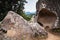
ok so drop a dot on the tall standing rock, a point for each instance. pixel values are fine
(48, 12)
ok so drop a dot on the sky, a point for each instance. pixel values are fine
(30, 6)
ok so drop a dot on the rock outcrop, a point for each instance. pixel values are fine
(15, 27)
(48, 12)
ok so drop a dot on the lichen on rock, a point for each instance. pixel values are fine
(19, 29)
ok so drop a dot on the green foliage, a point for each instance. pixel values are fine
(8, 5)
(27, 17)
(14, 5)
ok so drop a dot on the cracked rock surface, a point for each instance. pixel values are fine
(15, 27)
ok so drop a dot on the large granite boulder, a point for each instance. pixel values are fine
(15, 27)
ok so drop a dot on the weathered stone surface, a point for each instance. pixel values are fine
(48, 14)
(19, 29)
(37, 28)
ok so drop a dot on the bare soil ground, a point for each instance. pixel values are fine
(52, 37)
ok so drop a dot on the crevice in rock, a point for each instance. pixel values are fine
(46, 17)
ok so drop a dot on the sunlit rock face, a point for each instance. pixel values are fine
(15, 27)
(48, 12)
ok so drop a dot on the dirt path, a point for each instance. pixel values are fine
(52, 37)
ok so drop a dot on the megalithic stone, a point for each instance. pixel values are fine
(48, 12)
(19, 29)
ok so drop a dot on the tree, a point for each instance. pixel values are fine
(14, 5)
